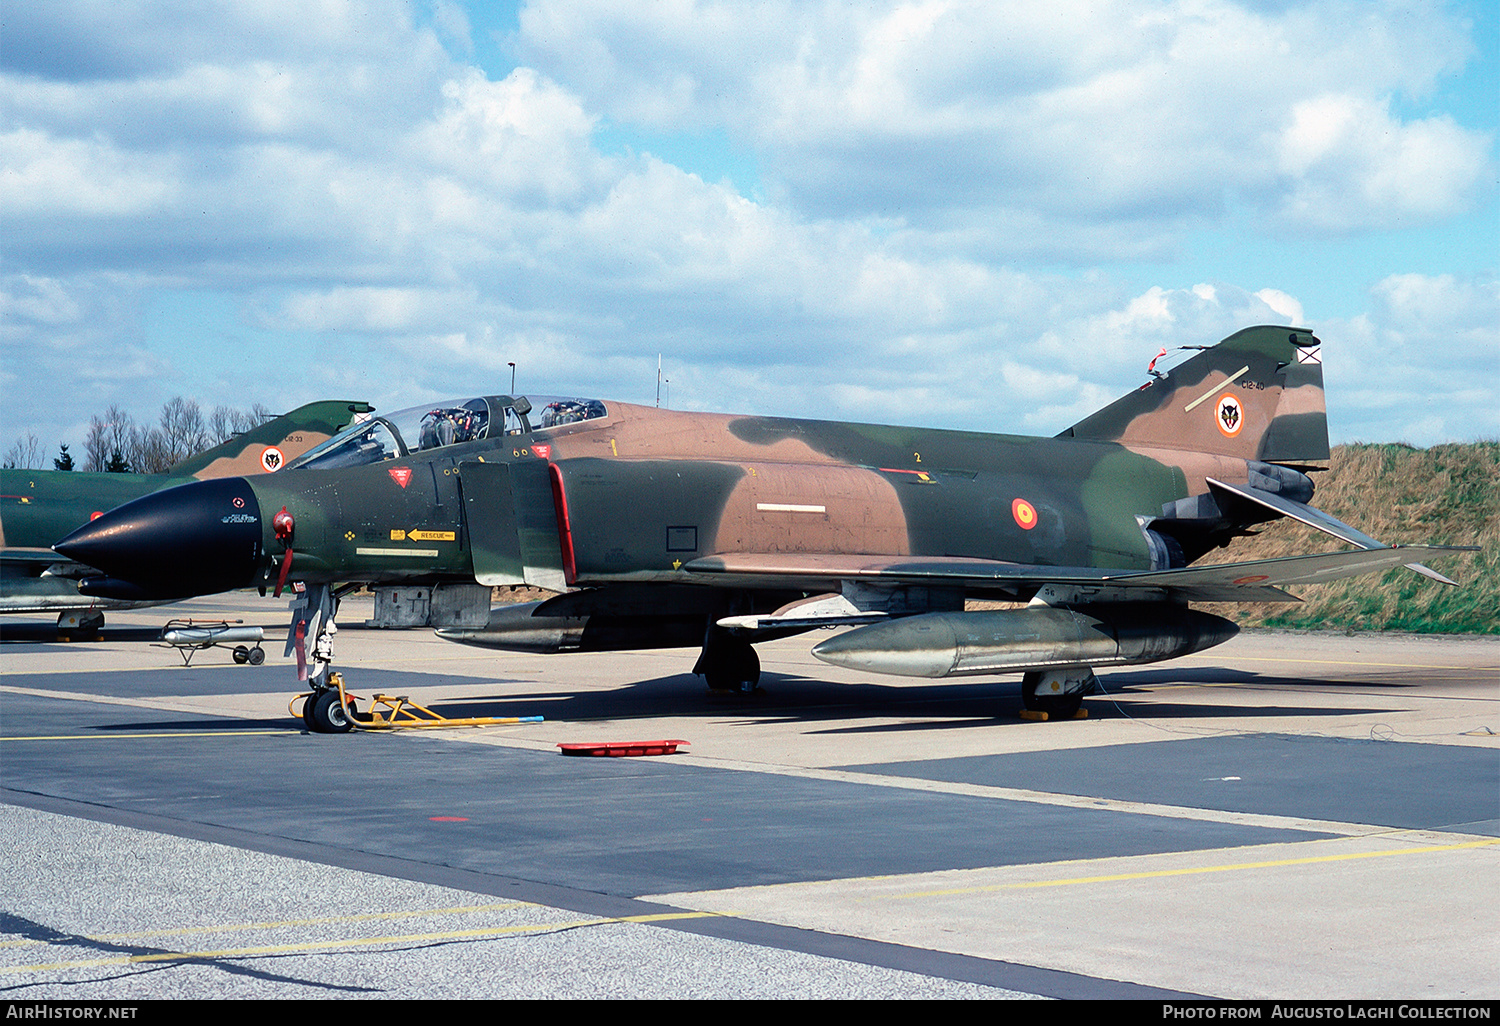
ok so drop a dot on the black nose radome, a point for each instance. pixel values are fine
(196, 539)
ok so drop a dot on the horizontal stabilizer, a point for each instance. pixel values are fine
(1429, 572)
(1314, 518)
(1312, 569)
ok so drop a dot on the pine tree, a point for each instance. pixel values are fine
(65, 460)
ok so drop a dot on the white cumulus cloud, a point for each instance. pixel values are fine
(333, 195)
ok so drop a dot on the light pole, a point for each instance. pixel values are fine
(512, 379)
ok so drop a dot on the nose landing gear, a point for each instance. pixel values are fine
(326, 710)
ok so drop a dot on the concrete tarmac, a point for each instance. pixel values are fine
(1285, 816)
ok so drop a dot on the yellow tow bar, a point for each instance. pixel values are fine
(400, 712)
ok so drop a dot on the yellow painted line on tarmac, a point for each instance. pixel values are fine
(480, 933)
(1345, 662)
(1190, 871)
(187, 704)
(364, 917)
(157, 736)
(85, 696)
(98, 669)
(662, 917)
(165, 666)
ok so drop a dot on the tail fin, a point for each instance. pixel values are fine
(270, 446)
(1257, 395)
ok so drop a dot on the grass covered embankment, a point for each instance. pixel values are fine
(1445, 495)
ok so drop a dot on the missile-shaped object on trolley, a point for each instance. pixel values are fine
(1037, 638)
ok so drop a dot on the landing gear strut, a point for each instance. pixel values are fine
(324, 711)
(728, 663)
(1057, 693)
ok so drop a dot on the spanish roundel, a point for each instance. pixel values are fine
(1025, 514)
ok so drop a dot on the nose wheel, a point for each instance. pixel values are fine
(329, 711)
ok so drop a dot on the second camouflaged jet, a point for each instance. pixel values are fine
(37, 507)
(669, 529)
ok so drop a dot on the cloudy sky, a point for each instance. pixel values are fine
(984, 214)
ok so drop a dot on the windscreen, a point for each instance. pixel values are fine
(367, 442)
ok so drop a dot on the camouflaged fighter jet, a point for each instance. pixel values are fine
(668, 529)
(37, 507)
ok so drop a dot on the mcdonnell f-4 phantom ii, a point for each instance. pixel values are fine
(37, 507)
(669, 529)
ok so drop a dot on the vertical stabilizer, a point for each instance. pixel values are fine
(1257, 395)
(268, 447)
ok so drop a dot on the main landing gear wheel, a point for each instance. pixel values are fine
(89, 620)
(733, 666)
(79, 625)
(1058, 693)
(329, 715)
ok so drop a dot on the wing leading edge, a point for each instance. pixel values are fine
(1253, 581)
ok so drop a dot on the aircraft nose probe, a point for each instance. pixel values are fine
(195, 539)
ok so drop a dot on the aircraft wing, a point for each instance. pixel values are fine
(41, 581)
(30, 563)
(822, 571)
(1253, 581)
(24, 559)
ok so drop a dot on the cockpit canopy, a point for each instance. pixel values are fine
(439, 425)
(550, 412)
